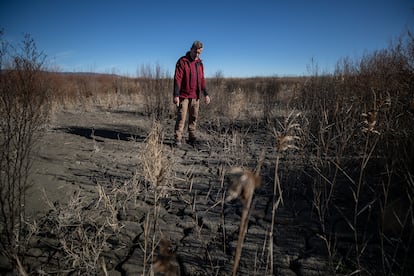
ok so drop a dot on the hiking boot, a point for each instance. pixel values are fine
(195, 142)
(192, 141)
(177, 144)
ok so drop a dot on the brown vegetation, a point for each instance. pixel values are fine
(342, 143)
(23, 112)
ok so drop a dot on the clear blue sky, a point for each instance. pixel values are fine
(241, 37)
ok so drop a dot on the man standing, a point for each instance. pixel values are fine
(189, 83)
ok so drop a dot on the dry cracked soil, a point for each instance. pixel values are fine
(83, 150)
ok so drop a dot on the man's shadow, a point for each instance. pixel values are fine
(103, 133)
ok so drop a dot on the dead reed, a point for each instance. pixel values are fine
(358, 172)
(244, 183)
(286, 139)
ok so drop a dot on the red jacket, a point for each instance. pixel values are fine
(184, 84)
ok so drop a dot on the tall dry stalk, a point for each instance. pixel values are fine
(244, 182)
(156, 168)
(285, 140)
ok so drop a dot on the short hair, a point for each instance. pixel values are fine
(197, 45)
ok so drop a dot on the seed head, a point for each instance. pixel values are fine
(370, 120)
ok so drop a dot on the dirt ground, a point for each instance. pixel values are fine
(80, 150)
(77, 148)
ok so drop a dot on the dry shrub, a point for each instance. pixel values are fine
(156, 163)
(157, 89)
(24, 110)
(156, 168)
(237, 104)
(357, 137)
(245, 98)
(83, 231)
(87, 91)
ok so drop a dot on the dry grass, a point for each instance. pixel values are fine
(354, 127)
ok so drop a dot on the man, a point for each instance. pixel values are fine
(189, 84)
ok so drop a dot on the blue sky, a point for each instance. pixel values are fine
(241, 38)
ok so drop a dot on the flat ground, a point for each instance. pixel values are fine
(81, 151)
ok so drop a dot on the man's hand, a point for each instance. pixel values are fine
(176, 101)
(207, 99)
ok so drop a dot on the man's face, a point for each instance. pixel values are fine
(195, 53)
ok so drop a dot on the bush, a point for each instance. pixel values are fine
(359, 137)
(23, 111)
